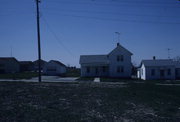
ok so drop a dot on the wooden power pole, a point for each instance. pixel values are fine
(39, 42)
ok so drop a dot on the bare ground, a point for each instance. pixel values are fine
(88, 102)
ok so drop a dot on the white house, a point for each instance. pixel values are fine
(9, 65)
(158, 69)
(54, 67)
(36, 65)
(115, 64)
(177, 66)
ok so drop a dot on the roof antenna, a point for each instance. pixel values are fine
(118, 36)
(168, 49)
(11, 52)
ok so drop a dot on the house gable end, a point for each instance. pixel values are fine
(121, 49)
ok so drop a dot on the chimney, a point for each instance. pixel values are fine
(118, 44)
(154, 57)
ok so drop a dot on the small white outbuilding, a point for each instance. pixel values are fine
(54, 67)
(157, 69)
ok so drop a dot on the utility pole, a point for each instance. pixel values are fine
(39, 42)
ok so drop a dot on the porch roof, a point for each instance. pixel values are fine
(94, 59)
(96, 64)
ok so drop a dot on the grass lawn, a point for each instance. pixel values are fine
(88, 102)
(22, 75)
(73, 73)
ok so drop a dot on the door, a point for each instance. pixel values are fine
(97, 71)
(162, 73)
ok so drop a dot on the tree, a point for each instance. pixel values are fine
(177, 58)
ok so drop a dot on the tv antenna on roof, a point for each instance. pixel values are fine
(168, 50)
(118, 36)
(11, 52)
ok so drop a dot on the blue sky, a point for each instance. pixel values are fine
(70, 28)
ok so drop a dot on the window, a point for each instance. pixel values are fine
(169, 71)
(87, 69)
(122, 58)
(118, 69)
(152, 72)
(122, 69)
(162, 73)
(104, 69)
(97, 71)
(118, 58)
(177, 72)
(141, 71)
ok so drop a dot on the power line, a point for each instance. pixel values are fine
(116, 4)
(93, 12)
(103, 12)
(119, 20)
(124, 1)
(56, 37)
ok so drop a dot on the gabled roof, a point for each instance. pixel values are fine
(85, 59)
(99, 59)
(8, 59)
(159, 62)
(120, 47)
(57, 62)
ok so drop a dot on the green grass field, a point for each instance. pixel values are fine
(88, 102)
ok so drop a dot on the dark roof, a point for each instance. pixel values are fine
(58, 62)
(94, 59)
(159, 62)
(25, 62)
(8, 58)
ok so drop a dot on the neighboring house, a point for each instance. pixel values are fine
(36, 64)
(158, 69)
(54, 67)
(115, 64)
(26, 66)
(9, 65)
(177, 71)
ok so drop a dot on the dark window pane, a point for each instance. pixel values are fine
(152, 72)
(88, 69)
(122, 58)
(169, 71)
